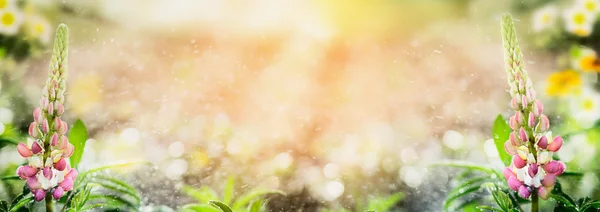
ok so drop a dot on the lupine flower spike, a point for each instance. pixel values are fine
(48, 173)
(532, 171)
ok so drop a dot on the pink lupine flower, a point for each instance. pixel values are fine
(533, 168)
(50, 172)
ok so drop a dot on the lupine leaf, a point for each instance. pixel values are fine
(204, 194)
(562, 197)
(385, 204)
(248, 197)
(199, 208)
(80, 180)
(114, 200)
(502, 199)
(228, 190)
(500, 133)
(121, 186)
(467, 165)
(255, 206)
(92, 206)
(21, 201)
(456, 194)
(78, 136)
(488, 208)
(224, 207)
(9, 178)
(4, 206)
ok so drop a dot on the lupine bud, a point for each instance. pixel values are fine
(519, 162)
(532, 170)
(58, 193)
(555, 167)
(60, 109)
(23, 150)
(543, 124)
(544, 157)
(556, 144)
(63, 143)
(549, 180)
(543, 142)
(63, 128)
(37, 115)
(47, 171)
(519, 117)
(524, 102)
(513, 123)
(543, 193)
(524, 192)
(538, 108)
(33, 130)
(44, 102)
(38, 195)
(514, 104)
(66, 184)
(530, 95)
(514, 140)
(508, 173)
(45, 127)
(514, 183)
(36, 148)
(61, 164)
(512, 150)
(54, 140)
(523, 135)
(531, 120)
(57, 124)
(50, 109)
(33, 183)
(68, 151)
(25, 172)
(72, 174)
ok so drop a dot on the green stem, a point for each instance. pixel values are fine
(49, 203)
(534, 202)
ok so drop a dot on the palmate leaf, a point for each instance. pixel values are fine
(224, 207)
(199, 208)
(245, 199)
(204, 194)
(500, 133)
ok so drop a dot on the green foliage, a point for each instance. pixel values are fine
(250, 201)
(500, 133)
(382, 204)
(222, 206)
(78, 136)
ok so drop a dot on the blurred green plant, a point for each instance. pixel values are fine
(374, 204)
(209, 200)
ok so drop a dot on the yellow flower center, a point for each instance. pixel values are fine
(589, 63)
(3, 4)
(579, 18)
(546, 18)
(590, 6)
(8, 19)
(39, 28)
(563, 83)
(588, 105)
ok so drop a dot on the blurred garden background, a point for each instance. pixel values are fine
(336, 103)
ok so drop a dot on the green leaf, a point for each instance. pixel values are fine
(10, 178)
(204, 194)
(118, 186)
(220, 205)
(92, 206)
(561, 197)
(199, 208)
(83, 176)
(385, 204)
(255, 206)
(467, 165)
(502, 199)
(488, 208)
(21, 201)
(500, 133)
(114, 201)
(4, 206)
(248, 197)
(228, 190)
(463, 190)
(575, 51)
(78, 136)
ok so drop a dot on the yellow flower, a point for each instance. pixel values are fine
(10, 20)
(563, 83)
(589, 63)
(589, 5)
(6, 4)
(544, 18)
(579, 21)
(38, 28)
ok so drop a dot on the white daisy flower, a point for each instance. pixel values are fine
(585, 108)
(544, 17)
(39, 28)
(579, 21)
(7, 4)
(10, 20)
(592, 6)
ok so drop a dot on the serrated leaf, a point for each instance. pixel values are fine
(500, 133)
(245, 199)
(118, 186)
(228, 190)
(204, 194)
(220, 205)
(78, 136)
(199, 208)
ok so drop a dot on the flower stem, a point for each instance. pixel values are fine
(49, 203)
(534, 202)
